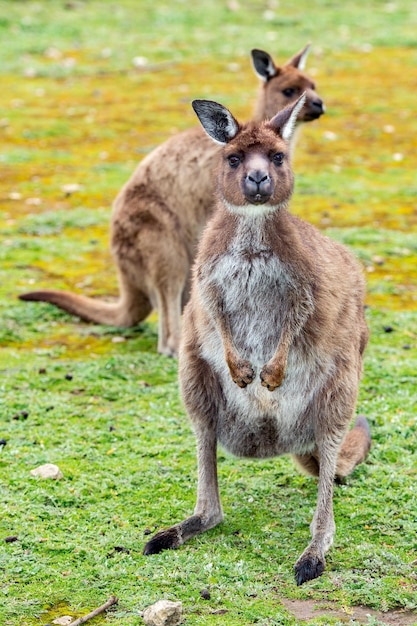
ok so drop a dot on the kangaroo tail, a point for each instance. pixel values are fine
(129, 310)
(354, 448)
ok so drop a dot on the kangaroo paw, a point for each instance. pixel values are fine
(242, 373)
(272, 377)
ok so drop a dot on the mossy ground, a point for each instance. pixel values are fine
(100, 402)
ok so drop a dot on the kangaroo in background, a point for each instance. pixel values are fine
(273, 334)
(160, 212)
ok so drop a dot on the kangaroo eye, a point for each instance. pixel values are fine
(234, 160)
(289, 92)
(278, 158)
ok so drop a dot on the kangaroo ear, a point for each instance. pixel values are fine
(299, 59)
(284, 121)
(263, 64)
(216, 120)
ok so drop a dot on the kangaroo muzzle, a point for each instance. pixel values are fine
(312, 109)
(257, 186)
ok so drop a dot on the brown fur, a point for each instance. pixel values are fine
(274, 332)
(159, 214)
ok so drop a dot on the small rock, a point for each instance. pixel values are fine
(388, 329)
(34, 201)
(65, 620)
(379, 260)
(205, 594)
(406, 346)
(163, 613)
(140, 61)
(71, 188)
(118, 339)
(329, 135)
(3, 442)
(68, 377)
(49, 470)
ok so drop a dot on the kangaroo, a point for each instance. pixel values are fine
(160, 212)
(273, 333)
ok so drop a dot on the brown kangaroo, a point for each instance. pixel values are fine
(160, 212)
(273, 334)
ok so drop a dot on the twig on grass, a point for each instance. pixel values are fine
(81, 620)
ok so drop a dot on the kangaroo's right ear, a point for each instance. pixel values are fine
(284, 121)
(263, 64)
(299, 59)
(216, 120)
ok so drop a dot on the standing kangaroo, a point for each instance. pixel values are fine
(273, 334)
(160, 212)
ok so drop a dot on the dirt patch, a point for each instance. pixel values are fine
(306, 610)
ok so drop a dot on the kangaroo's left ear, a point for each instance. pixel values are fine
(284, 121)
(263, 64)
(216, 120)
(299, 59)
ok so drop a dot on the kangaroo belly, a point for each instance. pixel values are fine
(256, 422)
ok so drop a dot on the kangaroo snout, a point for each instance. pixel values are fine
(314, 108)
(257, 186)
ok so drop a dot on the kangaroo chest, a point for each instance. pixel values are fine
(258, 294)
(256, 289)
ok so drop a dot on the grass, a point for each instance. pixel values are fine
(75, 109)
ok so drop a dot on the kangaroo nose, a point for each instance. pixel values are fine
(257, 186)
(258, 177)
(318, 104)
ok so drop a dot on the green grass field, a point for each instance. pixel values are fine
(88, 88)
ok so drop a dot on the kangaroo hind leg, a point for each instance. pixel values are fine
(312, 563)
(169, 305)
(200, 391)
(208, 512)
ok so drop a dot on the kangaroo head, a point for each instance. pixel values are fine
(283, 85)
(255, 176)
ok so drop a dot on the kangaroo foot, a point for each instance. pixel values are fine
(174, 537)
(167, 539)
(308, 567)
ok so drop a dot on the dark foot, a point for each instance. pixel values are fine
(174, 537)
(309, 568)
(164, 540)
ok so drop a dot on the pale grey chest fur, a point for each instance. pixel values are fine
(254, 286)
(257, 294)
